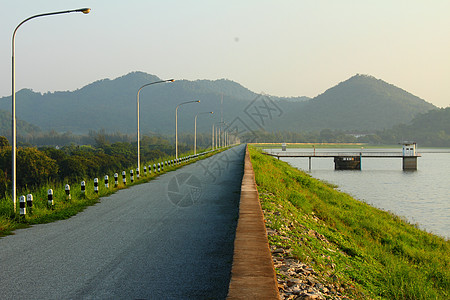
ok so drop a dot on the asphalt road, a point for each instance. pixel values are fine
(171, 238)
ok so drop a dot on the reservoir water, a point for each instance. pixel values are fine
(422, 196)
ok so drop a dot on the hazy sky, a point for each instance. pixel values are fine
(282, 48)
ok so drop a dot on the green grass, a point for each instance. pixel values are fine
(370, 252)
(64, 208)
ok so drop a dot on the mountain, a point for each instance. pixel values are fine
(111, 105)
(427, 129)
(359, 103)
(23, 128)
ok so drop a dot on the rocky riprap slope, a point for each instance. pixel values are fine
(297, 280)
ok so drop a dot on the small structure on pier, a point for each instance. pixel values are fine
(409, 156)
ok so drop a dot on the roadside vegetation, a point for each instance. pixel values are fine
(364, 252)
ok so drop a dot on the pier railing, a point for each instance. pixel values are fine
(338, 154)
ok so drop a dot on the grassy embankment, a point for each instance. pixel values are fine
(64, 208)
(370, 252)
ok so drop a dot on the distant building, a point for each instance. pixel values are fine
(409, 149)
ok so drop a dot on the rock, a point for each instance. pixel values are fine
(297, 280)
(309, 296)
(293, 281)
(312, 281)
(278, 250)
(271, 232)
(285, 268)
(296, 291)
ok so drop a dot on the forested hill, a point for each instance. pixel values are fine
(359, 103)
(111, 105)
(23, 128)
(430, 129)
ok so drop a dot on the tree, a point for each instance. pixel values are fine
(71, 169)
(34, 167)
(3, 142)
(3, 184)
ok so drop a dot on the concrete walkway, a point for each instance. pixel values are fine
(252, 273)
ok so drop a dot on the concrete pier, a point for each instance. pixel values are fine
(410, 163)
(352, 160)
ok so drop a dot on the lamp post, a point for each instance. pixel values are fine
(176, 124)
(13, 94)
(195, 129)
(225, 134)
(222, 135)
(216, 135)
(212, 137)
(138, 113)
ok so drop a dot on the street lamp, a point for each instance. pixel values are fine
(225, 134)
(221, 136)
(195, 129)
(215, 134)
(138, 113)
(176, 124)
(213, 137)
(13, 94)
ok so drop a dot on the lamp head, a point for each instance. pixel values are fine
(85, 10)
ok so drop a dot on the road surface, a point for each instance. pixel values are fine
(171, 238)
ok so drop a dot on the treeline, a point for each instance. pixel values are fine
(56, 139)
(23, 128)
(74, 163)
(387, 137)
(430, 129)
(323, 136)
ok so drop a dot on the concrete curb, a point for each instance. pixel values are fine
(252, 274)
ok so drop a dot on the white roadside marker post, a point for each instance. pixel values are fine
(23, 209)
(30, 203)
(83, 188)
(50, 202)
(67, 189)
(96, 185)
(116, 179)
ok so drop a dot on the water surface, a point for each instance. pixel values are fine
(422, 196)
